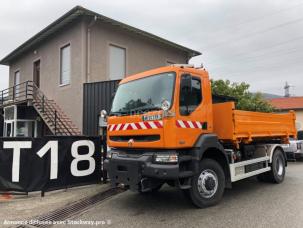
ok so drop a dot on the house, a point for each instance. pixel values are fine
(49, 70)
(284, 104)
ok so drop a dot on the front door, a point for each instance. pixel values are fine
(193, 115)
(9, 129)
(17, 86)
(36, 76)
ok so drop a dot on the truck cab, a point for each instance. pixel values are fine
(166, 108)
(161, 129)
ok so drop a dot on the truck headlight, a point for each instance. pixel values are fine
(166, 158)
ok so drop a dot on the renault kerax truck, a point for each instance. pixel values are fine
(164, 127)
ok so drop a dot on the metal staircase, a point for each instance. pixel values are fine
(53, 116)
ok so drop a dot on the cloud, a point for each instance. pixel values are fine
(259, 42)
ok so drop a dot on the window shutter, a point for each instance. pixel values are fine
(65, 65)
(117, 63)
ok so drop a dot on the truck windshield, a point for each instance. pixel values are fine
(144, 94)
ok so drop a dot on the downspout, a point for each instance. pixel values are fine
(88, 46)
(188, 57)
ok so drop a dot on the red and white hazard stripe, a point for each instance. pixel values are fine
(188, 124)
(136, 126)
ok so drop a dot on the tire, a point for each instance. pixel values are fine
(208, 185)
(277, 172)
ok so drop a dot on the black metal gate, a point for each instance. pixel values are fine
(96, 97)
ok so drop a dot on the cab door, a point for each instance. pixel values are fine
(193, 114)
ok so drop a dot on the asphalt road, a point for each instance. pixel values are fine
(248, 204)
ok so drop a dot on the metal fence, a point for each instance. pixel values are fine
(96, 97)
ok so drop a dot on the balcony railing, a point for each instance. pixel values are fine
(49, 111)
(17, 93)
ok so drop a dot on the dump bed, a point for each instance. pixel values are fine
(244, 126)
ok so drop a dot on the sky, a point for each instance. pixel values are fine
(257, 42)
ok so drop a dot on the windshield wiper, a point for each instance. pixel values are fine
(145, 108)
(134, 110)
(118, 113)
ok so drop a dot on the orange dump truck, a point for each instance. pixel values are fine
(164, 127)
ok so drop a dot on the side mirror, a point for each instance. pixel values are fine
(103, 118)
(103, 113)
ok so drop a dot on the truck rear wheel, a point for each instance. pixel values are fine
(277, 172)
(208, 185)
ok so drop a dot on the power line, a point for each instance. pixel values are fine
(257, 33)
(269, 47)
(265, 68)
(257, 58)
(262, 17)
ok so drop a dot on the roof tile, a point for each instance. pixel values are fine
(286, 103)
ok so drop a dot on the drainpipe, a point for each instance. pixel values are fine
(188, 57)
(88, 35)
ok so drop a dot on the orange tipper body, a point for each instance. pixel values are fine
(182, 131)
(244, 126)
(165, 126)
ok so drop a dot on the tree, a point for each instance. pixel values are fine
(245, 100)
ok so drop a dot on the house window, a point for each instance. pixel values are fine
(17, 78)
(65, 63)
(16, 84)
(117, 62)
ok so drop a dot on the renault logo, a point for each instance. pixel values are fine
(130, 142)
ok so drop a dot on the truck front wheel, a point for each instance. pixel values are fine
(208, 185)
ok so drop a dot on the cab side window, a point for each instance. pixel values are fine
(190, 94)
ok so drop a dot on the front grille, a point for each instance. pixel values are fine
(136, 138)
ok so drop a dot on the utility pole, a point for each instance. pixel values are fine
(286, 89)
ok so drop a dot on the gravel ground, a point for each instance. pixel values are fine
(249, 204)
(25, 207)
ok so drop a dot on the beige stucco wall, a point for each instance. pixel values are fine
(68, 97)
(299, 118)
(141, 54)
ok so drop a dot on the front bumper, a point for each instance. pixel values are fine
(131, 170)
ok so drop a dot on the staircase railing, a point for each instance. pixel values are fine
(46, 108)
(50, 111)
